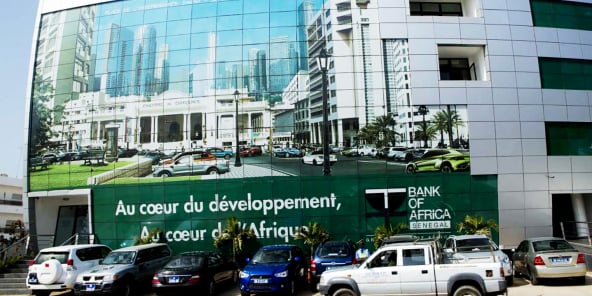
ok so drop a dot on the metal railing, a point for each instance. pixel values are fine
(18, 248)
(575, 231)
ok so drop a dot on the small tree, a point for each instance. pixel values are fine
(151, 237)
(381, 232)
(312, 235)
(477, 225)
(235, 234)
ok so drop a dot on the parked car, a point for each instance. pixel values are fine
(195, 272)
(316, 158)
(251, 151)
(124, 270)
(350, 151)
(549, 257)
(55, 269)
(67, 156)
(274, 269)
(287, 152)
(219, 152)
(50, 157)
(476, 248)
(444, 160)
(156, 156)
(175, 157)
(391, 152)
(194, 164)
(329, 255)
(125, 153)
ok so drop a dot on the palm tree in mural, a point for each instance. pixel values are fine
(477, 225)
(440, 123)
(382, 232)
(424, 131)
(312, 235)
(368, 134)
(234, 233)
(385, 125)
(444, 121)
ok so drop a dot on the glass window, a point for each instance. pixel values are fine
(569, 138)
(435, 9)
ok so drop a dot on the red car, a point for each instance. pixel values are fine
(251, 151)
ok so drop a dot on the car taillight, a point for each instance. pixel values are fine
(313, 266)
(70, 262)
(155, 279)
(538, 260)
(355, 261)
(31, 262)
(194, 279)
(581, 259)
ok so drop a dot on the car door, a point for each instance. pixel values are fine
(520, 257)
(417, 273)
(381, 276)
(183, 165)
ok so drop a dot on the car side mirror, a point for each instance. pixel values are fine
(247, 260)
(297, 259)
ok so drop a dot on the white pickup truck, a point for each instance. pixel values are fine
(412, 268)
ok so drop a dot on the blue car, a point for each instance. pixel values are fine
(329, 255)
(274, 269)
(219, 152)
(287, 152)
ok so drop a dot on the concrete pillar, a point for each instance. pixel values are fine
(579, 209)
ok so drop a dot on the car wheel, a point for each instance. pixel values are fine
(446, 168)
(245, 293)
(314, 162)
(510, 280)
(212, 171)
(302, 161)
(211, 288)
(292, 288)
(533, 278)
(165, 174)
(235, 277)
(410, 169)
(344, 292)
(126, 289)
(51, 272)
(581, 280)
(467, 291)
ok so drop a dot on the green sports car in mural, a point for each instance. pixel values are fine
(440, 160)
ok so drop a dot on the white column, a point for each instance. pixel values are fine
(155, 133)
(339, 132)
(185, 128)
(579, 209)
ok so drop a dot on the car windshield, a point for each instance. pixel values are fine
(551, 245)
(185, 261)
(334, 251)
(474, 244)
(124, 257)
(60, 256)
(272, 256)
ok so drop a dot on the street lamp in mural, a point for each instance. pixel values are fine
(237, 162)
(423, 110)
(322, 61)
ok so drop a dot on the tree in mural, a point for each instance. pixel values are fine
(381, 232)
(445, 121)
(424, 131)
(236, 235)
(41, 116)
(477, 225)
(312, 235)
(381, 132)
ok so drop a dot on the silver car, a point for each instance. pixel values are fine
(549, 257)
(195, 164)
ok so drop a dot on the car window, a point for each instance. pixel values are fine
(272, 256)
(334, 251)
(472, 244)
(123, 257)
(60, 256)
(384, 259)
(183, 261)
(92, 253)
(551, 245)
(523, 247)
(214, 260)
(414, 257)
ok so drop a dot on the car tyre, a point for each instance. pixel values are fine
(211, 288)
(533, 278)
(446, 168)
(212, 171)
(467, 290)
(410, 169)
(165, 174)
(126, 289)
(581, 280)
(510, 280)
(344, 292)
(314, 162)
(292, 288)
(243, 293)
(52, 272)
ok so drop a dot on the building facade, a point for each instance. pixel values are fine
(501, 87)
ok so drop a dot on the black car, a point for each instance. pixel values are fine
(125, 153)
(194, 272)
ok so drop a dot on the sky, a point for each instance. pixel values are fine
(17, 20)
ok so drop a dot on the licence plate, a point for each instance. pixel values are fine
(90, 287)
(174, 280)
(560, 259)
(260, 281)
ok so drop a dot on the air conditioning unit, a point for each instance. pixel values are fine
(362, 3)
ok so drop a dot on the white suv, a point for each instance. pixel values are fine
(56, 268)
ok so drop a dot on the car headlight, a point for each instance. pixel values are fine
(282, 274)
(243, 275)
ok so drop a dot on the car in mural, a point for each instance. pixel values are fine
(274, 269)
(194, 164)
(443, 160)
(287, 152)
(219, 152)
(195, 272)
(410, 268)
(124, 270)
(476, 248)
(56, 268)
(251, 151)
(330, 255)
(174, 158)
(548, 257)
(316, 158)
